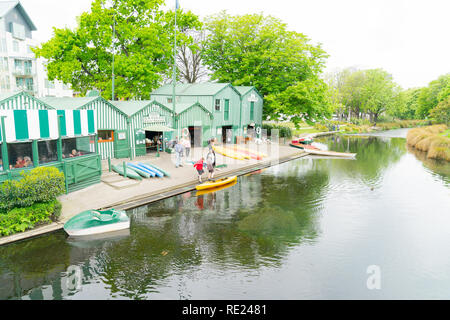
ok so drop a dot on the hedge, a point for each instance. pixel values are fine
(42, 184)
(21, 219)
(283, 131)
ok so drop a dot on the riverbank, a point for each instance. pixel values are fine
(122, 193)
(430, 140)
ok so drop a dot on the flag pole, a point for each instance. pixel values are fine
(174, 76)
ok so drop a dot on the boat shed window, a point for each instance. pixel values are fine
(217, 105)
(1, 158)
(75, 147)
(105, 135)
(47, 151)
(20, 155)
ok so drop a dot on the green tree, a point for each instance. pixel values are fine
(258, 50)
(436, 91)
(142, 46)
(378, 92)
(441, 113)
(304, 101)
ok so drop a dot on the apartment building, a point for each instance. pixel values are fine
(19, 68)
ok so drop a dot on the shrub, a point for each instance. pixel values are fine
(320, 127)
(21, 219)
(42, 184)
(284, 131)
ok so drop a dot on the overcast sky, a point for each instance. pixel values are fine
(407, 38)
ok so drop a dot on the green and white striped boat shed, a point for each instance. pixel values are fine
(43, 124)
(108, 118)
(31, 128)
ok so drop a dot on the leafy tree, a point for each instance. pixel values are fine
(142, 46)
(258, 50)
(441, 113)
(306, 100)
(378, 92)
(431, 95)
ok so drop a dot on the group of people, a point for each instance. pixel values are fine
(74, 153)
(22, 162)
(210, 162)
(182, 148)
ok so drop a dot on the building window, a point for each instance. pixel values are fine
(217, 105)
(105, 136)
(169, 100)
(20, 155)
(1, 158)
(47, 151)
(226, 110)
(18, 30)
(75, 147)
(16, 46)
(252, 110)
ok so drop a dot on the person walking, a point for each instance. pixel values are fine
(211, 163)
(187, 147)
(178, 154)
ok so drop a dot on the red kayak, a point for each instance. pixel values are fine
(303, 146)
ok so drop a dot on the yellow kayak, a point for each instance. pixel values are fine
(261, 154)
(206, 191)
(230, 153)
(215, 183)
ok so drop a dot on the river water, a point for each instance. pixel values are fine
(377, 227)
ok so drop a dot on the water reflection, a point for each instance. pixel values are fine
(187, 243)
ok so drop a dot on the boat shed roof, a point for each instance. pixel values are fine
(67, 102)
(191, 89)
(130, 107)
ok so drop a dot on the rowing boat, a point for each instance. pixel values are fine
(314, 150)
(331, 153)
(216, 183)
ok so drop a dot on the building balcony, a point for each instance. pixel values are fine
(23, 72)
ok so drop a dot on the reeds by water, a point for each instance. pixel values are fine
(429, 140)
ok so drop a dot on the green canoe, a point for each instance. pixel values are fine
(130, 173)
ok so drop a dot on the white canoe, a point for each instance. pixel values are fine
(330, 153)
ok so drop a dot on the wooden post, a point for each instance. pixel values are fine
(5, 148)
(124, 169)
(109, 164)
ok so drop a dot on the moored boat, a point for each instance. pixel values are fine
(130, 172)
(216, 183)
(331, 153)
(91, 222)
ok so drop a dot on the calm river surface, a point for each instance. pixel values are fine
(306, 229)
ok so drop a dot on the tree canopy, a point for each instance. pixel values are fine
(258, 50)
(142, 46)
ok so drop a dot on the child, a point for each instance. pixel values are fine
(199, 166)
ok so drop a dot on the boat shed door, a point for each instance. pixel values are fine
(121, 146)
(140, 142)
